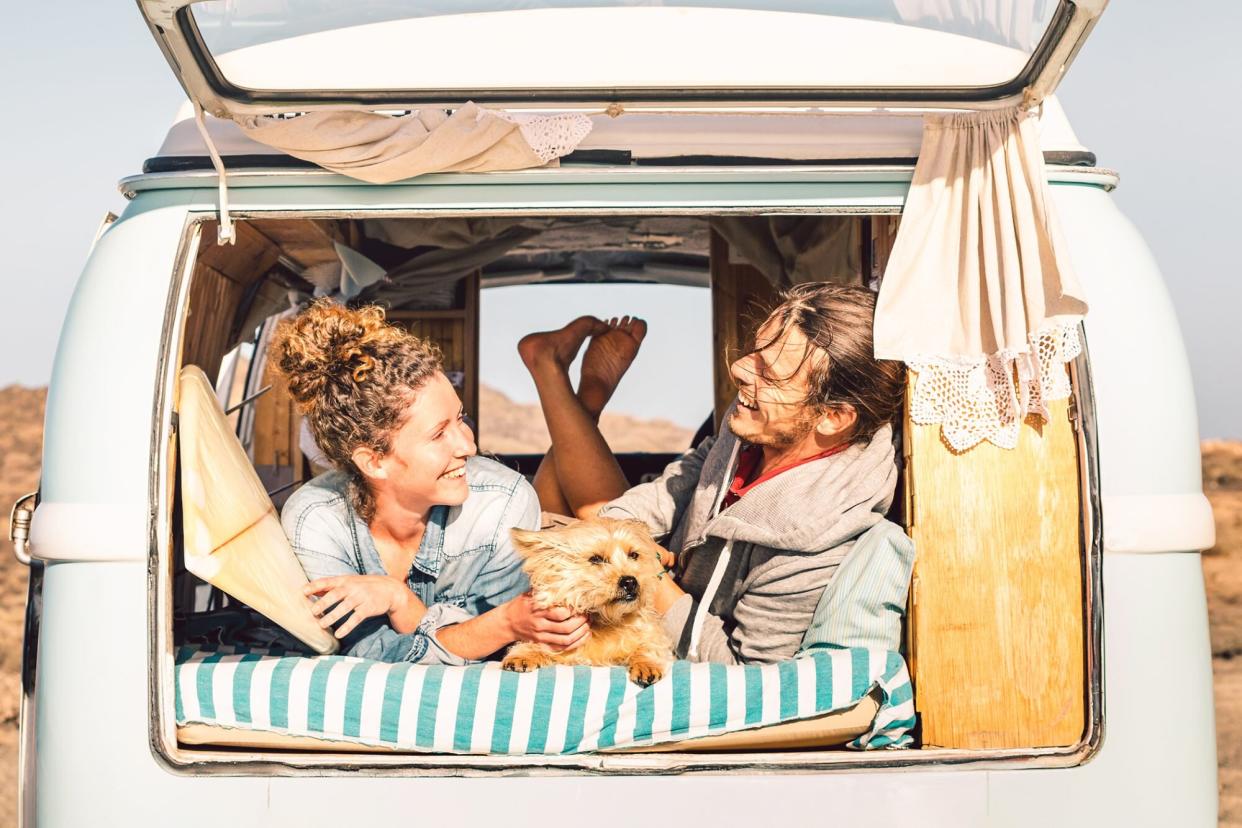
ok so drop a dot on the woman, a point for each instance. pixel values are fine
(407, 541)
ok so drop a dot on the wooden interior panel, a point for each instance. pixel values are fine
(883, 237)
(249, 258)
(308, 242)
(277, 427)
(741, 297)
(213, 299)
(222, 275)
(996, 625)
(456, 332)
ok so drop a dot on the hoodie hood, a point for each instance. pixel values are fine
(810, 508)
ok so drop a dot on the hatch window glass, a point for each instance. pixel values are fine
(496, 45)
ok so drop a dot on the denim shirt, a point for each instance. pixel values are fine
(465, 565)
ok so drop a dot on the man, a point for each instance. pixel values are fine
(758, 518)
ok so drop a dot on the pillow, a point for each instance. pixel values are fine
(233, 538)
(863, 604)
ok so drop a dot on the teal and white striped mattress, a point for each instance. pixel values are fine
(481, 709)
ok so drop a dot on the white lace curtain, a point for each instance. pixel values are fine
(379, 148)
(978, 297)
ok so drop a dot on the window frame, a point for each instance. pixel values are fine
(232, 762)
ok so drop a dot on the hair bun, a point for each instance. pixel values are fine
(329, 346)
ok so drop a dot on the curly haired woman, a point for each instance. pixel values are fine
(407, 541)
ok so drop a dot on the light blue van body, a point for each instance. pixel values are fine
(102, 751)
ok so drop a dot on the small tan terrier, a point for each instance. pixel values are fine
(606, 570)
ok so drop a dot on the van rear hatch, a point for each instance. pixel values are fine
(245, 57)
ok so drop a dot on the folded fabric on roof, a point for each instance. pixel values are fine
(380, 149)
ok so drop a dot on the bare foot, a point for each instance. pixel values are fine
(607, 359)
(558, 348)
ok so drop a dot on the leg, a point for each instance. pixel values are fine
(548, 488)
(579, 470)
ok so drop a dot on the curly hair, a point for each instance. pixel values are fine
(352, 376)
(837, 321)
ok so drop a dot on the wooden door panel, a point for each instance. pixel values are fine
(996, 627)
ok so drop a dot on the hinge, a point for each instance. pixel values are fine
(1071, 411)
(225, 234)
(19, 526)
(1032, 100)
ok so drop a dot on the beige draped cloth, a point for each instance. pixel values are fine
(790, 250)
(978, 297)
(380, 149)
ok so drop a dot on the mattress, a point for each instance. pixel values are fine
(236, 696)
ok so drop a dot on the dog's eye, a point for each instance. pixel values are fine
(633, 555)
(596, 559)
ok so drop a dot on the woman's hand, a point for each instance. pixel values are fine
(555, 627)
(361, 597)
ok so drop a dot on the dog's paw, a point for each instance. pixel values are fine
(644, 673)
(520, 664)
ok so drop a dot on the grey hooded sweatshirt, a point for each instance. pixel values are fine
(754, 572)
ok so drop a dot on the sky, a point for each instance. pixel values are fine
(89, 96)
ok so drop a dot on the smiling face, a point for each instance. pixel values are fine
(772, 383)
(603, 568)
(426, 464)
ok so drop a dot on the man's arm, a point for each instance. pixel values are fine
(661, 503)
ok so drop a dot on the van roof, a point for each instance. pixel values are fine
(805, 135)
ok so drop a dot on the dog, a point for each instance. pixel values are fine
(606, 570)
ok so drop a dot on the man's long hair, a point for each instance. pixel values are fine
(837, 322)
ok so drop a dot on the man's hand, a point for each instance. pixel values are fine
(667, 559)
(556, 627)
(361, 597)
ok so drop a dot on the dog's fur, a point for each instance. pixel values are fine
(605, 569)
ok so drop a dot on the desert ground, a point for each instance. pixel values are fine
(518, 428)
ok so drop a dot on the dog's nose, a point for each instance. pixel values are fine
(628, 585)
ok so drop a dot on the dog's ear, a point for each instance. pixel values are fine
(639, 528)
(525, 541)
(529, 543)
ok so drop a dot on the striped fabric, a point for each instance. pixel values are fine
(482, 709)
(865, 601)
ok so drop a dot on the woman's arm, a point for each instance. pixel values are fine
(323, 545)
(516, 620)
(355, 598)
(503, 586)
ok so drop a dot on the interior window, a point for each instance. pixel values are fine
(661, 402)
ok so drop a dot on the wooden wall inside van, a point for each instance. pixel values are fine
(456, 332)
(741, 296)
(996, 608)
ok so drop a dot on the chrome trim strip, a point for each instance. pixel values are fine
(1093, 548)
(130, 186)
(162, 726)
(27, 719)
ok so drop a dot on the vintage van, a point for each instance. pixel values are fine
(1057, 632)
